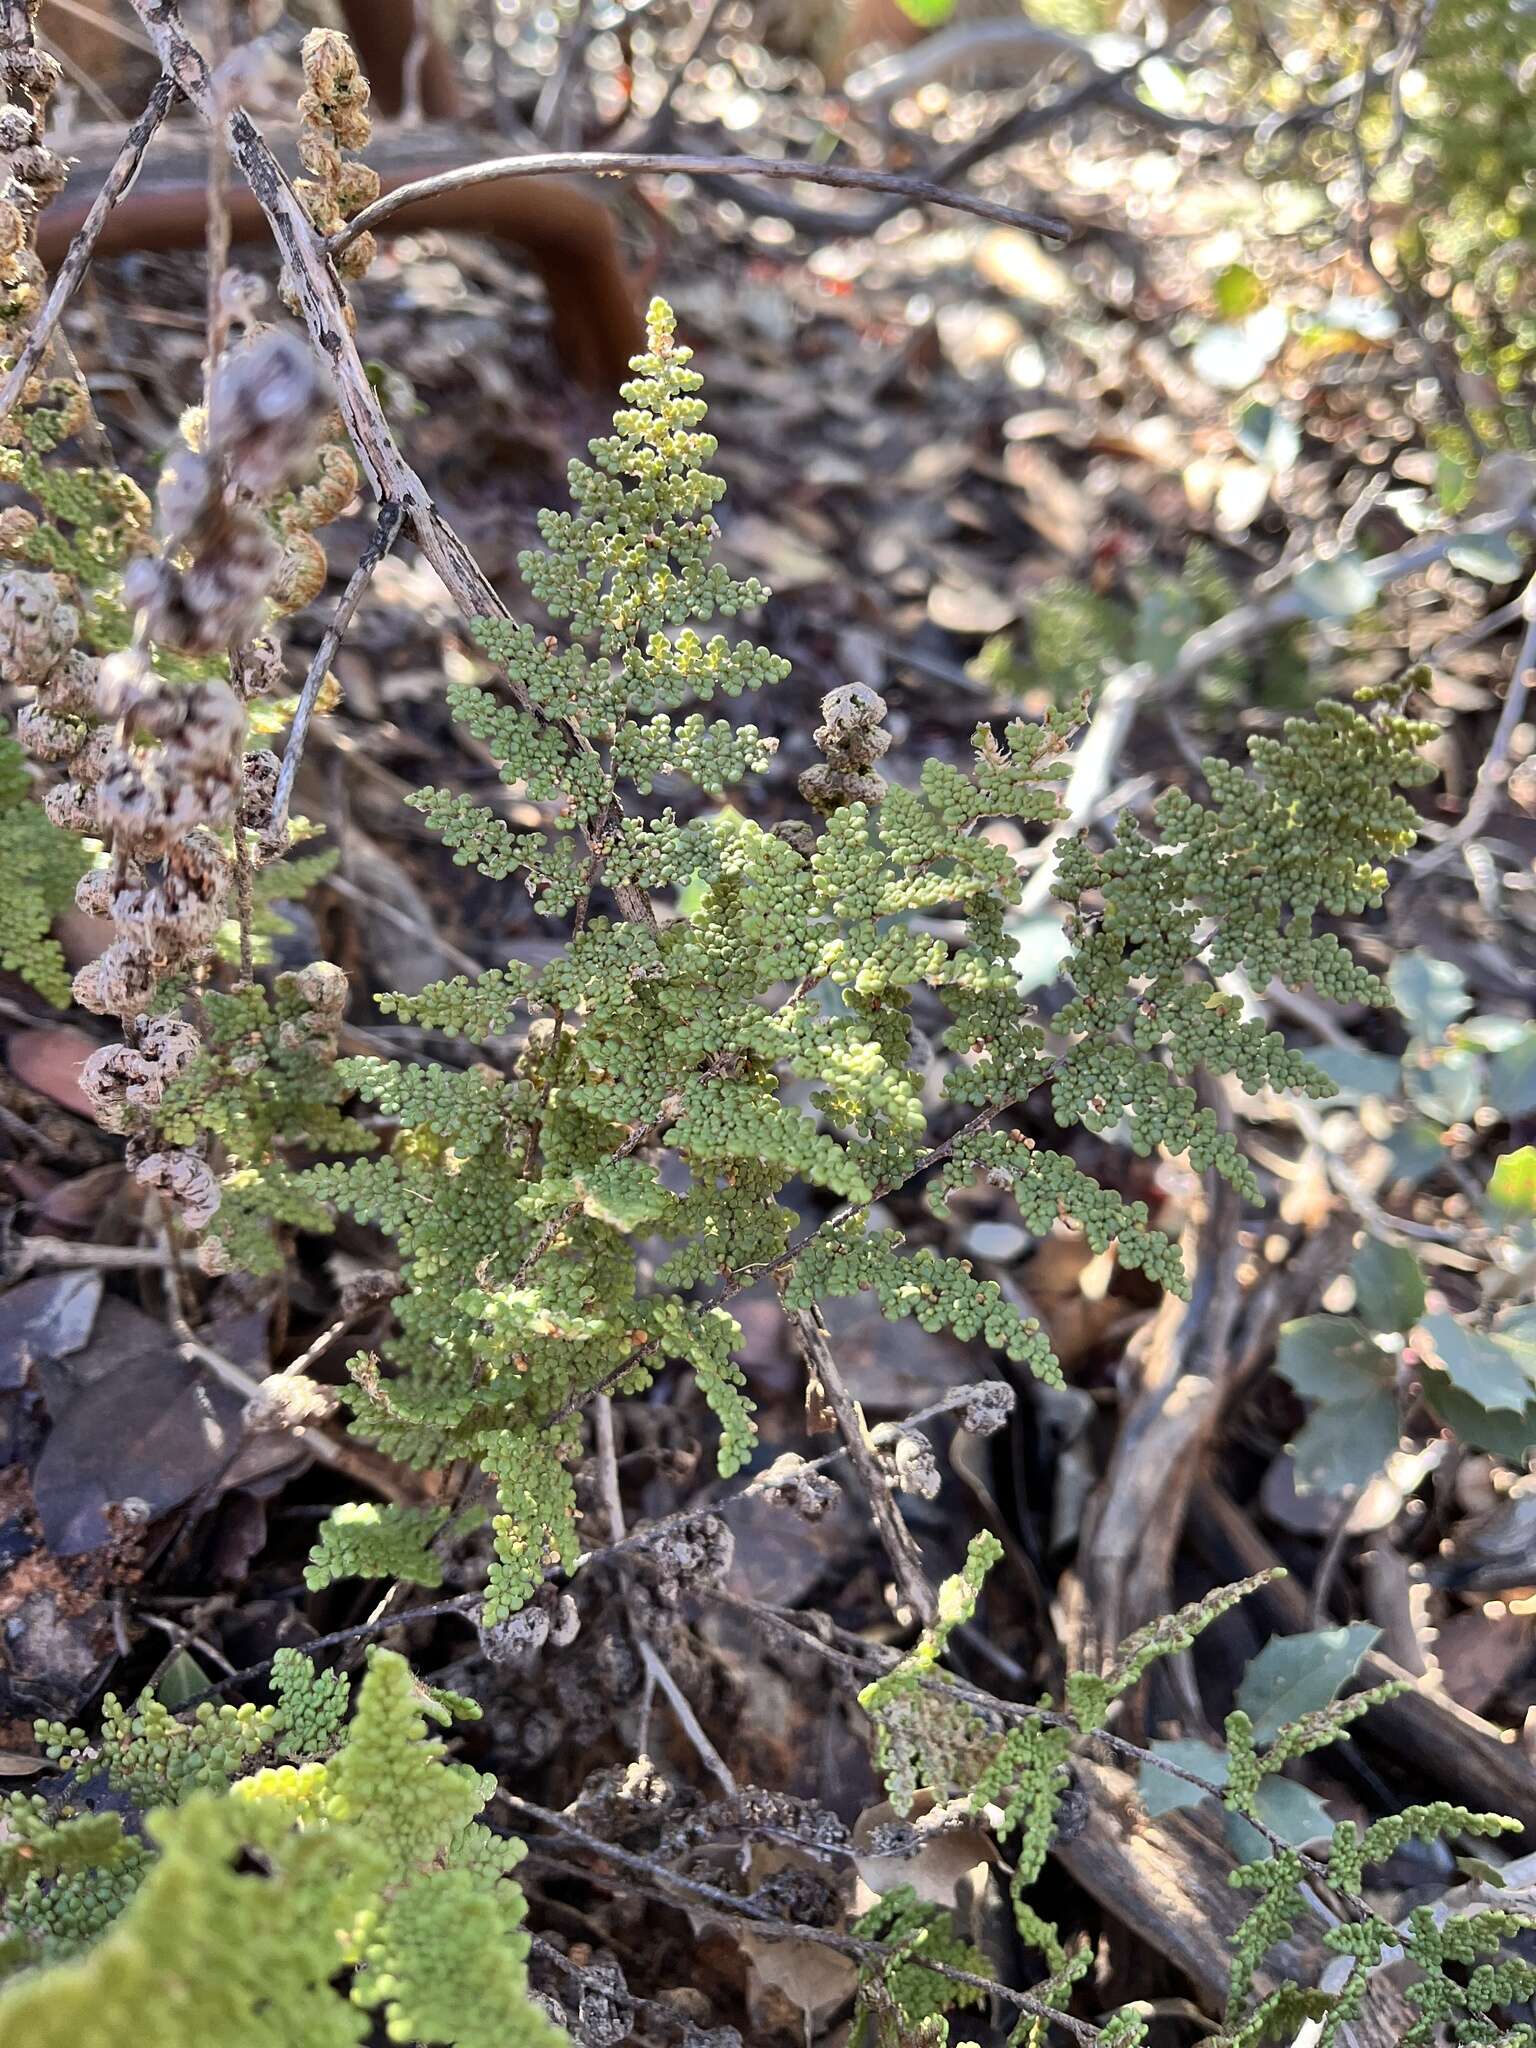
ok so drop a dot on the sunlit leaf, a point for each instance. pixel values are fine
(1489, 1368)
(1512, 1186)
(1237, 291)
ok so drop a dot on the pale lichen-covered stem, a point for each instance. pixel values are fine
(630, 163)
(319, 300)
(72, 270)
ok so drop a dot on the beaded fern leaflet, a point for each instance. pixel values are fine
(766, 1037)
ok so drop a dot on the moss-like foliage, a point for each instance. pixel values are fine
(41, 865)
(261, 1900)
(264, 1083)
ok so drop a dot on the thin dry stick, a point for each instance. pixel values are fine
(650, 1656)
(464, 1605)
(341, 1457)
(385, 533)
(555, 116)
(768, 1923)
(216, 238)
(628, 163)
(82, 79)
(687, 1719)
(608, 1468)
(1491, 775)
(216, 246)
(659, 124)
(763, 1485)
(245, 905)
(101, 19)
(403, 922)
(124, 170)
(411, 68)
(912, 1581)
(33, 1252)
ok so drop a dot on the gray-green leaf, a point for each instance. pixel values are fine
(1494, 1370)
(1448, 1084)
(1353, 1429)
(1161, 1793)
(1356, 1074)
(1432, 994)
(1512, 1076)
(1389, 1287)
(1296, 1675)
(1339, 589)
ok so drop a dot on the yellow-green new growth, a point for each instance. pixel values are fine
(41, 865)
(277, 1902)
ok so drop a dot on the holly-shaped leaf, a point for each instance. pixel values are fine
(1293, 1812)
(1507, 1435)
(1296, 1675)
(1389, 1287)
(1161, 1793)
(1353, 1429)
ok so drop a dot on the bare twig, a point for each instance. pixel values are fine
(655, 1665)
(101, 18)
(1491, 775)
(657, 1876)
(116, 183)
(1020, 44)
(912, 1582)
(556, 111)
(628, 163)
(411, 68)
(608, 1468)
(30, 1253)
(385, 533)
(464, 1605)
(687, 1719)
